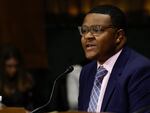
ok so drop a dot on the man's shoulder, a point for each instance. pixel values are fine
(134, 59)
(138, 57)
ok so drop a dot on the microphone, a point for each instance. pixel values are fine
(68, 70)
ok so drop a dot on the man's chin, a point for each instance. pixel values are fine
(91, 57)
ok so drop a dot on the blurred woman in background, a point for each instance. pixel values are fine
(15, 83)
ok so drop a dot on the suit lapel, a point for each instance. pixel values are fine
(117, 70)
(90, 80)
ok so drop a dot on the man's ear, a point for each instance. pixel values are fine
(120, 35)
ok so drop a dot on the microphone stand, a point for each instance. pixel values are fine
(68, 70)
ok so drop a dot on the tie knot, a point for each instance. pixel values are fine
(101, 72)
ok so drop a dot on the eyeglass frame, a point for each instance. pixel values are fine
(90, 29)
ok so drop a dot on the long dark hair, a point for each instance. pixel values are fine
(21, 77)
(7, 52)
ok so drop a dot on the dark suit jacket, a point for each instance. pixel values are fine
(128, 88)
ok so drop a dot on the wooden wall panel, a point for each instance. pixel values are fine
(22, 24)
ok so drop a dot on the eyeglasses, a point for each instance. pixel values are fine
(94, 29)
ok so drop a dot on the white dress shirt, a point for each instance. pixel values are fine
(108, 65)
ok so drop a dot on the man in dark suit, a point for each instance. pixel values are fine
(125, 87)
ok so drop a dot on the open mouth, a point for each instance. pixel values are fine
(90, 46)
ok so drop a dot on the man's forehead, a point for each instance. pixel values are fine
(97, 18)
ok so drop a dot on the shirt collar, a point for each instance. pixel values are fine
(108, 64)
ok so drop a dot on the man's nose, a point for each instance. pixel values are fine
(88, 35)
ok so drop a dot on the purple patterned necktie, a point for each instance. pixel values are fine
(101, 72)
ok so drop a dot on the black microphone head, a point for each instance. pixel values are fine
(69, 69)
